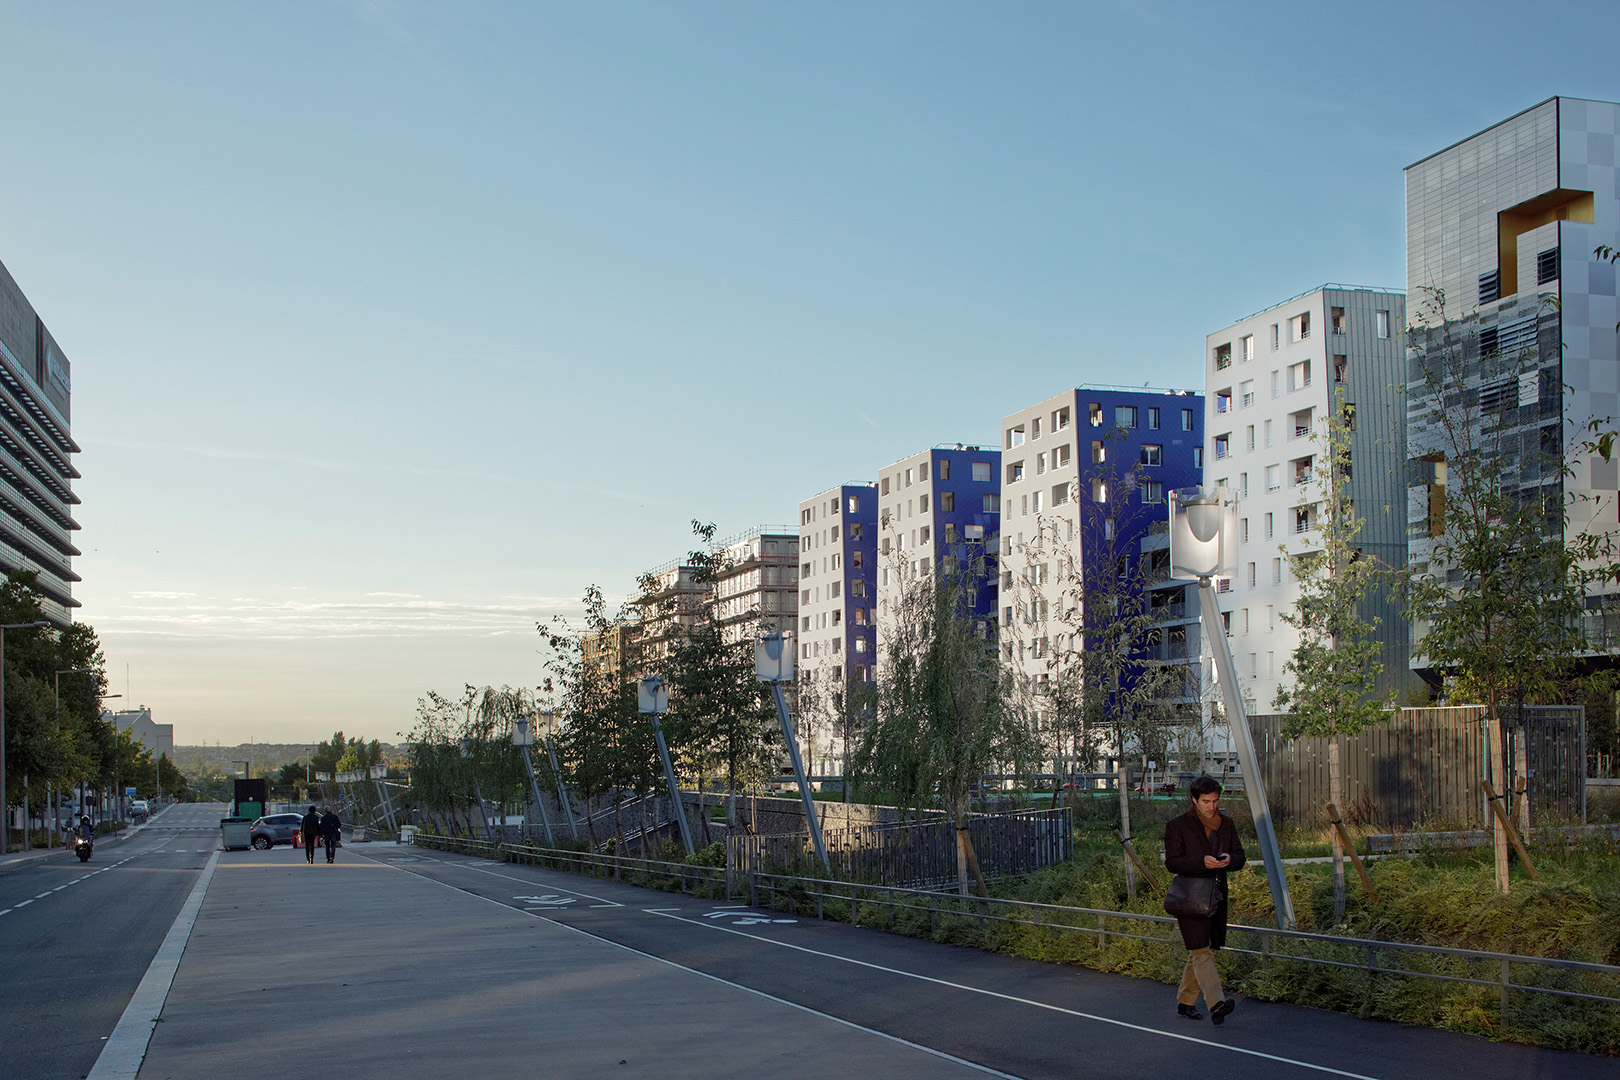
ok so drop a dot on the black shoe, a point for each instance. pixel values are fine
(1190, 1012)
(1221, 1010)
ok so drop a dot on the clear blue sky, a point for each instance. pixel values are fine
(395, 324)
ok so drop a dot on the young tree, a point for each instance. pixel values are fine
(1497, 595)
(1329, 682)
(940, 721)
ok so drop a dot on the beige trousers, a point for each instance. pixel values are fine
(1200, 975)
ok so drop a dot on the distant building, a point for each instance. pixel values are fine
(158, 738)
(1506, 224)
(36, 448)
(939, 511)
(1271, 380)
(837, 631)
(1085, 477)
(756, 590)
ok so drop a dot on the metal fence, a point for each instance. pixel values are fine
(1424, 765)
(984, 921)
(915, 855)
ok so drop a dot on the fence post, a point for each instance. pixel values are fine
(854, 899)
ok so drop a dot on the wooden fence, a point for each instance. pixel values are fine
(1424, 766)
(914, 856)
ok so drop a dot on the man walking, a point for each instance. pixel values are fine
(330, 826)
(310, 828)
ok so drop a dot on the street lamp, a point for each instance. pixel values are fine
(773, 663)
(548, 719)
(523, 738)
(652, 697)
(1203, 545)
(5, 807)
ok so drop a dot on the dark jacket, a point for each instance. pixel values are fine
(330, 825)
(1185, 845)
(310, 827)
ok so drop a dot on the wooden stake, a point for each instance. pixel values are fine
(1512, 833)
(1136, 860)
(1350, 849)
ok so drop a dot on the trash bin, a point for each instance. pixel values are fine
(235, 833)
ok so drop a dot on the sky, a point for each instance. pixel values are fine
(395, 325)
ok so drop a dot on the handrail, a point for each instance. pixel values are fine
(850, 892)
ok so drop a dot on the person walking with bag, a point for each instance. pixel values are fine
(309, 831)
(330, 827)
(1201, 847)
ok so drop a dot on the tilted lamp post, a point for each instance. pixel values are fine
(1203, 545)
(773, 663)
(523, 737)
(652, 697)
(549, 719)
(468, 751)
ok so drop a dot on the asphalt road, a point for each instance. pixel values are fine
(75, 938)
(1014, 1017)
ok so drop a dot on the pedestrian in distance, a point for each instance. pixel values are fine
(330, 827)
(1199, 845)
(309, 830)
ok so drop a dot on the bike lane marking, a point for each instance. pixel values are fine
(1144, 1029)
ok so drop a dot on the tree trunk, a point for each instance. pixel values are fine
(1336, 796)
(961, 812)
(1125, 822)
(1521, 774)
(1498, 777)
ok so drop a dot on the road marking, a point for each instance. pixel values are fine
(6, 912)
(987, 1070)
(126, 1047)
(25, 903)
(548, 900)
(1025, 1001)
(479, 868)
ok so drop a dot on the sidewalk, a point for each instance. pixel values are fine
(361, 969)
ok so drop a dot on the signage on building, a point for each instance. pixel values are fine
(57, 368)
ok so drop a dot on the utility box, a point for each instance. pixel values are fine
(251, 797)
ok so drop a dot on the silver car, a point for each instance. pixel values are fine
(273, 829)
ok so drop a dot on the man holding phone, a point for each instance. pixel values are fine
(1203, 842)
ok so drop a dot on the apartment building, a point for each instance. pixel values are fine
(1506, 223)
(939, 511)
(1085, 476)
(756, 591)
(837, 633)
(36, 448)
(1271, 381)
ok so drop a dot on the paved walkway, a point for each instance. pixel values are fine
(406, 963)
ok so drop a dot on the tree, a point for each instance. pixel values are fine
(1329, 681)
(1498, 593)
(940, 721)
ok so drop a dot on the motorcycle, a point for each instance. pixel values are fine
(82, 847)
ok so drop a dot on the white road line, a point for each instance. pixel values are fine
(24, 903)
(1023, 1001)
(526, 881)
(126, 1047)
(723, 982)
(6, 912)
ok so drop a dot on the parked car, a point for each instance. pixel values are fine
(139, 811)
(273, 829)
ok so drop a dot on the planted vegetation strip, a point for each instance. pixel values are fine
(942, 904)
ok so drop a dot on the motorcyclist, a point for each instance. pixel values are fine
(86, 830)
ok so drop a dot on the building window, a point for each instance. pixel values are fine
(1153, 417)
(1223, 356)
(1060, 419)
(1272, 483)
(1095, 414)
(922, 473)
(1490, 287)
(1249, 437)
(909, 473)
(1243, 531)
(855, 532)
(950, 532)
(1015, 437)
(992, 504)
(883, 486)
(1153, 491)
(1341, 368)
(1152, 454)
(1246, 348)
(1246, 393)
(1037, 499)
(1060, 495)
(1383, 324)
(1251, 575)
(1099, 490)
(1125, 416)
(1268, 526)
(1299, 375)
(1040, 464)
(1274, 337)
(922, 504)
(1060, 456)
(944, 468)
(947, 501)
(1223, 401)
(1337, 315)
(1198, 457)
(981, 471)
(1223, 446)
(1015, 472)
(1299, 327)
(1547, 266)
(1276, 571)
(1186, 419)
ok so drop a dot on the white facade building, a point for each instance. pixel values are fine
(1271, 380)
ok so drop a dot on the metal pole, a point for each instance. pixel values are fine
(1237, 726)
(535, 789)
(489, 832)
(810, 819)
(562, 792)
(674, 790)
